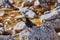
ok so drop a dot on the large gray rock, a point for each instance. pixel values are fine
(54, 21)
(56, 24)
(4, 37)
(43, 33)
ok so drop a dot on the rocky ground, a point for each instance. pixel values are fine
(29, 20)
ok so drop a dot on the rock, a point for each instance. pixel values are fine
(30, 14)
(23, 10)
(53, 14)
(2, 13)
(58, 1)
(2, 37)
(29, 0)
(36, 3)
(27, 3)
(2, 2)
(19, 16)
(11, 1)
(24, 35)
(53, 19)
(42, 1)
(44, 32)
(58, 33)
(1, 27)
(49, 15)
(55, 23)
(7, 3)
(20, 25)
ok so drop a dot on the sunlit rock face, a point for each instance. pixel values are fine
(11, 1)
(50, 15)
(30, 14)
(20, 25)
(53, 18)
(44, 32)
(2, 13)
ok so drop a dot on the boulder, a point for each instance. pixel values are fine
(44, 32)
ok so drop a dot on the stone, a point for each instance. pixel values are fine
(2, 13)
(30, 14)
(2, 37)
(44, 32)
(36, 3)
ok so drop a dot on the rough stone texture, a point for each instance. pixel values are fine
(55, 24)
(4, 37)
(43, 33)
(54, 21)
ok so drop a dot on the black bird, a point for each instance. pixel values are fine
(29, 23)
